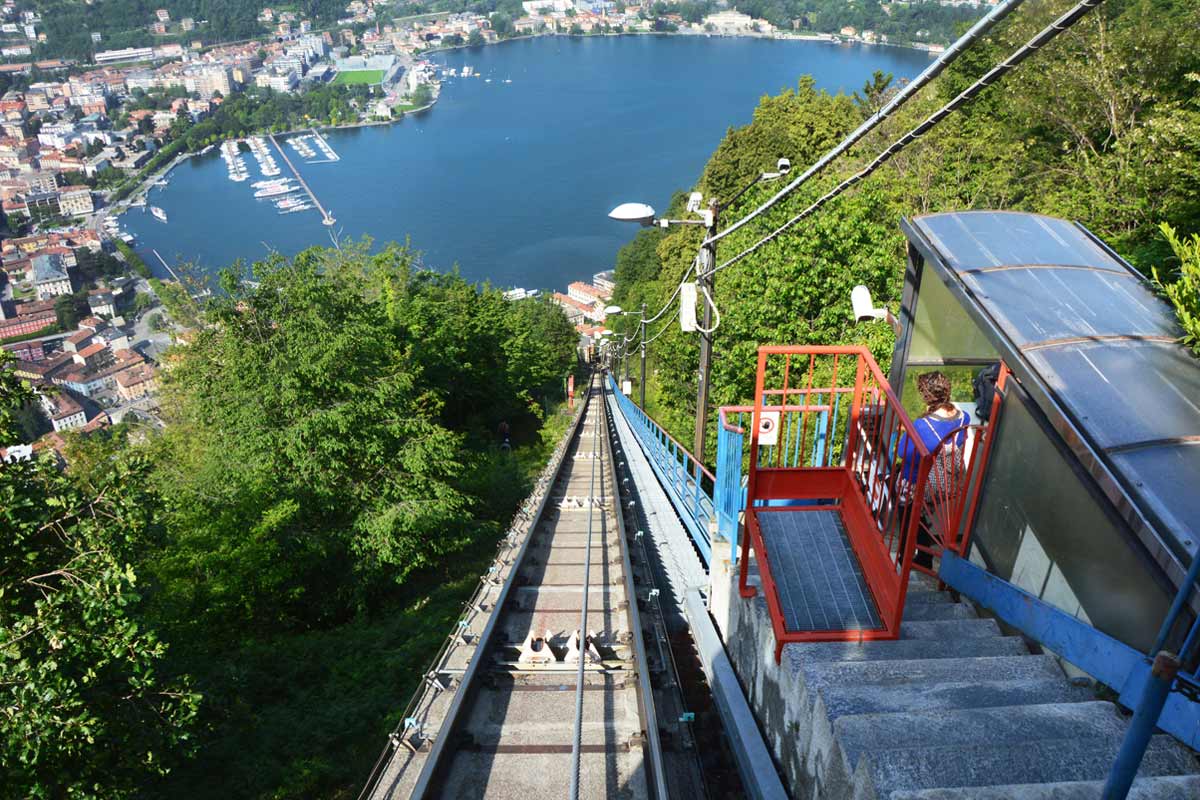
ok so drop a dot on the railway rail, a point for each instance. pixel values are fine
(545, 681)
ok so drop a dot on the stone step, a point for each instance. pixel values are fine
(949, 628)
(926, 673)
(1181, 787)
(919, 596)
(909, 649)
(1043, 761)
(867, 734)
(925, 612)
(839, 702)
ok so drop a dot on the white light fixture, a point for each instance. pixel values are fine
(633, 212)
(612, 309)
(865, 310)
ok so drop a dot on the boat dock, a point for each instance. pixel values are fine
(326, 217)
(166, 266)
(323, 146)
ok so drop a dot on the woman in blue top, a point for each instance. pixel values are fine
(941, 418)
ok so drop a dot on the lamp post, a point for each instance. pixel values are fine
(642, 344)
(644, 215)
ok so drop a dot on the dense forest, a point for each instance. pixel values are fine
(69, 24)
(1102, 126)
(238, 605)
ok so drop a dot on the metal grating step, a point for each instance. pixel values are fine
(819, 581)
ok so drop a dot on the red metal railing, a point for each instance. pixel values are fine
(872, 468)
(950, 501)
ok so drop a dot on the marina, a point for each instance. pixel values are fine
(326, 217)
(455, 180)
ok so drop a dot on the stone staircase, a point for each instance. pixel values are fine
(953, 710)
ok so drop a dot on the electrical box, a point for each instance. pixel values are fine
(687, 307)
(768, 428)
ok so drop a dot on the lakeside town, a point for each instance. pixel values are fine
(83, 143)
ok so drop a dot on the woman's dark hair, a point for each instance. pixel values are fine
(935, 391)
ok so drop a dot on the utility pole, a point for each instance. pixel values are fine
(705, 280)
(642, 385)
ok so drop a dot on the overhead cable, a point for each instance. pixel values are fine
(948, 57)
(994, 74)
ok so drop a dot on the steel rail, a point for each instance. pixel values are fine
(440, 743)
(576, 754)
(656, 782)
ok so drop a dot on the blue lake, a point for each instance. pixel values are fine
(513, 181)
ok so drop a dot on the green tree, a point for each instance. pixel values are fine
(1183, 288)
(476, 39)
(86, 712)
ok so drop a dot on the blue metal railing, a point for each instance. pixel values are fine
(799, 447)
(687, 482)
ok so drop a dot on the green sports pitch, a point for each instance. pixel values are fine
(367, 76)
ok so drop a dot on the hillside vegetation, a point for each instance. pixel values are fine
(240, 605)
(1102, 126)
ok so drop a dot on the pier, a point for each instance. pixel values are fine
(326, 217)
(324, 146)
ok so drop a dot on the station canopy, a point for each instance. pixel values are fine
(1089, 329)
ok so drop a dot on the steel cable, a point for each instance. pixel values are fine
(979, 29)
(1046, 35)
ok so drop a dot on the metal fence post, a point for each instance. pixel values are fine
(1141, 727)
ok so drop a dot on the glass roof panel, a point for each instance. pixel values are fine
(1165, 479)
(1124, 392)
(1036, 305)
(980, 239)
(1115, 392)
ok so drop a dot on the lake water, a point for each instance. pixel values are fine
(513, 181)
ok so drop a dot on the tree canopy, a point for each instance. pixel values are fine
(1100, 126)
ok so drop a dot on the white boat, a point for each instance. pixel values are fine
(294, 209)
(158, 213)
(126, 238)
(508, 80)
(276, 191)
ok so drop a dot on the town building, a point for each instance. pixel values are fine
(75, 201)
(49, 276)
(64, 411)
(136, 382)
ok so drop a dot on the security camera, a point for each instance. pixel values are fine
(784, 166)
(864, 307)
(865, 310)
(695, 200)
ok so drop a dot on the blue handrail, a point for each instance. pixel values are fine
(678, 471)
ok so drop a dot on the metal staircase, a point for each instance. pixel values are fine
(951, 709)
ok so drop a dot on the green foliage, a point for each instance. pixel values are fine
(921, 21)
(70, 308)
(422, 95)
(86, 712)
(1103, 126)
(134, 261)
(1183, 288)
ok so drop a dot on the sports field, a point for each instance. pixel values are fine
(368, 76)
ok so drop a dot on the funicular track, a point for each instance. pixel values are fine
(515, 707)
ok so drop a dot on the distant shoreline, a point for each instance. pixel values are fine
(828, 38)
